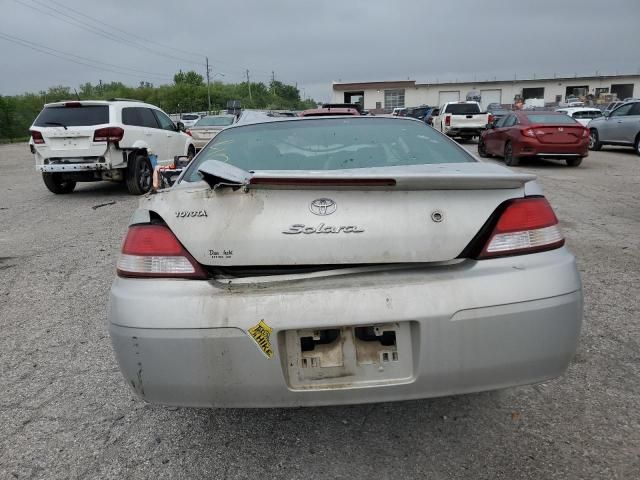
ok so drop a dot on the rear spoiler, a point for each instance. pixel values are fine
(459, 176)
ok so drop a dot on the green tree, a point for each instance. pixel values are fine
(190, 78)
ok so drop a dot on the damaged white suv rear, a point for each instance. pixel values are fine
(341, 260)
(116, 140)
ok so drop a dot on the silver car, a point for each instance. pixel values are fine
(620, 127)
(208, 127)
(341, 260)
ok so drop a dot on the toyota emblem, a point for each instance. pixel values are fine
(323, 206)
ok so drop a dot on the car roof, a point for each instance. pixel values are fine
(329, 112)
(254, 118)
(578, 109)
(114, 101)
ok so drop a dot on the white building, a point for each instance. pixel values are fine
(384, 96)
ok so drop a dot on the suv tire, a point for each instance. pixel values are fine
(139, 175)
(594, 140)
(56, 185)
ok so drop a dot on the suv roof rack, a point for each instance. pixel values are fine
(117, 99)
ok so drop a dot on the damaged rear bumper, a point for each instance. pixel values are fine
(395, 335)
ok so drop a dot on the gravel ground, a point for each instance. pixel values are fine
(65, 411)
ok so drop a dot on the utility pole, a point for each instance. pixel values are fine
(208, 88)
(249, 84)
(273, 80)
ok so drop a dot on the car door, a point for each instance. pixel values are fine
(175, 140)
(629, 124)
(136, 130)
(489, 136)
(611, 129)
(502, 133)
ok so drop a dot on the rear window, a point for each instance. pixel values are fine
(587, 114)
(329, 144)
(462, 108)
(73, 116)
(190, 117)
(214, 122)
(555, 119)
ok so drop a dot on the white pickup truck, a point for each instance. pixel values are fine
(461, 119)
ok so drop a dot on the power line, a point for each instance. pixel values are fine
(129, 34)
(98, 31)
(41, 49)
(28, 43)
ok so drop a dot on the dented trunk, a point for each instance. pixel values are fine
(426, 216)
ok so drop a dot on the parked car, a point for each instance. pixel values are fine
(582, 114)
(428, 118)
(620, 127)
(497, 111)
(117, 140)
(464, 120)
(419, 112)
(328, 111)
(317, 261)
(535, 134)
(208, 127)
(399, 112)
(189, 119)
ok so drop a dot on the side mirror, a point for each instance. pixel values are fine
(180, 127)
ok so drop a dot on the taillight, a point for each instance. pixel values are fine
(154, 251)
(37, 137)
(528, 132)
(73, 104)
(585, 132)
(447, 120)
(526, 225)
(108, 134)
(188, 132)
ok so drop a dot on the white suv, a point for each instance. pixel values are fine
(117, 140)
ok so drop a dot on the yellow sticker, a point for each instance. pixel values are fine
(260, 335)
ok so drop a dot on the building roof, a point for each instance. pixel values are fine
(338, 86)
(371, 85)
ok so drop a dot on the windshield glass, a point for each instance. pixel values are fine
(214, 122)
(76, 116)
(190, 117)
(549, 118)
(329, 144)
(463, 108)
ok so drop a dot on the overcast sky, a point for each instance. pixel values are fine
(313, 42)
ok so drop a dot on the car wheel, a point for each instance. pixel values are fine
(509, 158)
(191, 152)
(56, 185)
(482, 149)
(637, 145)
(594, 140)
(574, 162)
(138, 176)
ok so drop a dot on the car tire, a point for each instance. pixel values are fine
(55, 184)
(637, 144)
(594, 140)
(482, 149)
(139, 175)
(191, 152)
(574, 162)
(509, 158)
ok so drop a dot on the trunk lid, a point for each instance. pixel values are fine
(73, 142)
(204, 133)
(429, 215)
(567, 134)
(469, 120)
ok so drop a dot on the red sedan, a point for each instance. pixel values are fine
(535, 134)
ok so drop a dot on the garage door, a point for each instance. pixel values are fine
(490, 96)
(444, 97)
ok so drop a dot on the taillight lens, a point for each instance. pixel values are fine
(37, 137)
(154, 251)
(108, 134)
(526, 225)
(447, 120)
(585, 133)
(188, 132)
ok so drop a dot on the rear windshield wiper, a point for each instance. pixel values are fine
(56, 123)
